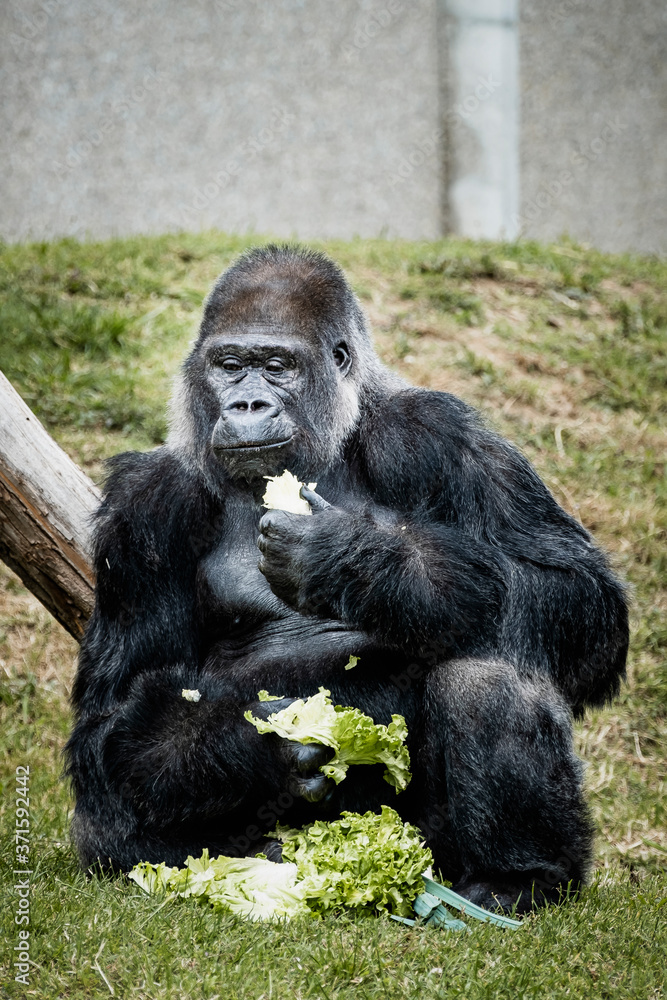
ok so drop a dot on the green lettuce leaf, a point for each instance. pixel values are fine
(354, 737)
(309, 721)
(152, 878)
(253, 888)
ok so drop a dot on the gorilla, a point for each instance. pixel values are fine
(480, 610)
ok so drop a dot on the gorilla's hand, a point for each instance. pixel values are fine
(302, 760)
(292, 546)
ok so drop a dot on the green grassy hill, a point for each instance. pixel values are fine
(564, 350)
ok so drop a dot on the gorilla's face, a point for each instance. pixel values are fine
(272, 398)
(275, 379)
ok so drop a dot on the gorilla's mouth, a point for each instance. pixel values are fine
(258, 445)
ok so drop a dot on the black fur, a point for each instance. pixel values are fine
(480, 609)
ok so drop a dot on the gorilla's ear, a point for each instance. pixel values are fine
(342, 358)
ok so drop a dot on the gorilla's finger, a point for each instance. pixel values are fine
(311, 789)
(273, 850)
(263, 709)
(317, 503)
(307, 757)
(277, 577)
(275, 522)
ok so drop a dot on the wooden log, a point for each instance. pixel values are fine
(46, 503)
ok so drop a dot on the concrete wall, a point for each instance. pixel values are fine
(284, 116)
(336, 118)
(482, 117)
(594, 122)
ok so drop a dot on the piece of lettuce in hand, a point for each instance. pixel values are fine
(369, 863)
(354, 737)
(284, 493)
(307, 721)
(361, 741)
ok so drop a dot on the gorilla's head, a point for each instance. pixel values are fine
(274, 379)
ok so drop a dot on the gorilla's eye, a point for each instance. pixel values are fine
(231, 365)
(274, 367)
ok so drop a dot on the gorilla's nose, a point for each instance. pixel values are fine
(250, 418)
(249, 422)
(249, 407)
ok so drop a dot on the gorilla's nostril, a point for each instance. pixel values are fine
(252, 406)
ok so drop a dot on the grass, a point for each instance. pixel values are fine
(564, 349)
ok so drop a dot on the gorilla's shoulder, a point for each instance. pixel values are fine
(416, 443)
(138, 478)
(416, 425)
(151, 500)
(439, 413)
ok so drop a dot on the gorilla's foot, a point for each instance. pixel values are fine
(503, 890)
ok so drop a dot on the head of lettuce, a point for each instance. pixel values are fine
(370, 864)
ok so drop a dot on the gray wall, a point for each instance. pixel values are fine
(594, 122)
(275, 115)
(482, 117)
(335, 118)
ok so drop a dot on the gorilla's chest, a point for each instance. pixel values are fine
(232, 593)
(234, 599)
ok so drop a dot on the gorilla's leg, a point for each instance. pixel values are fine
(110, 835)
(503, 808)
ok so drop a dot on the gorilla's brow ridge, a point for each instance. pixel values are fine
(256, 351)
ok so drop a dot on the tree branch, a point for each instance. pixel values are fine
(46, 503)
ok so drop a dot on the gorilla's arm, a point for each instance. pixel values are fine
(414, 584)
(137, 742)
(478, 557)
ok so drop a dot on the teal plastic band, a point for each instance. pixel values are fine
(470, 909)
